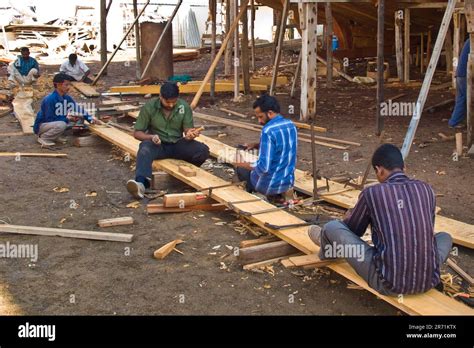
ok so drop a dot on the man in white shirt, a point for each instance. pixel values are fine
(76, 69)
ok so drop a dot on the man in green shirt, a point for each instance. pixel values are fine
(160, 127)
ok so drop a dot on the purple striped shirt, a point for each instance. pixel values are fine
(401, 213)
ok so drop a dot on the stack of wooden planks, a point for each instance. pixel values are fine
(23, 110)
(429, 303)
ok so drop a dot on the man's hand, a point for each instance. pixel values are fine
(96, 121)
(191, 133)
(244, 165)
(156, 139)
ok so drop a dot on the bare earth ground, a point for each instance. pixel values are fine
(104, 279)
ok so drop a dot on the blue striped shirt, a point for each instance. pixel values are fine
(25, 65)
(401, 212)
(274, 171)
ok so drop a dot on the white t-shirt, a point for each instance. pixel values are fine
(77, 71)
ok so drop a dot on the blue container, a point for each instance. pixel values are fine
(335, 43)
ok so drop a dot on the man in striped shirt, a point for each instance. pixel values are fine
(407, 254)
(273, 173)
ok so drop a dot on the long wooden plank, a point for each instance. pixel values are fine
(429, 303)
(84, 88)
(462, 233)
(23, 110)
(190, 87)
(62, 232)
(31, 154)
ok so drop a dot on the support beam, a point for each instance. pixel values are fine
(329, 34)
(228, 49)
(137, 42)
(245, 53)
(380, 65)
(308, 22)
(428, 78)
(399, 44)
(456, 45)
(103, 35)
(279, 48)
(160, 40)
(469, 12)
(406, 52)
(233, 13)
(252, 31)
(104, 67)
(213, 11)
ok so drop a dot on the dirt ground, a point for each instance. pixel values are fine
(73, 276)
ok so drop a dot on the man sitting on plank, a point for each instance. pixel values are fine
(57, 109)
(407, 254)
(76, 69)
(160, 126)
(25, 69)
(273, 173)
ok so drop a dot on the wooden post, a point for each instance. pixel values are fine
(448, 49)
(213, 11)
(245, 52)
(219, 55)
(295, 77)
(399, 44)
(422, 53)
(428, 46)
(456, 47)
(428, 78)
(406, 59)
(380, 65)
(160, 40)
(228, 51)
(309, 23)
(235, 8)
(469, 13)
(252, 31)
(329, 34)
(137, 41)
(104, 67)
(103, 34)
(279, 49)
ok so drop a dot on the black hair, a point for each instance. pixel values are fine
(73, 56)
(267, 103)
(61, 77)
(389, 157)
(24, 49)
(169, 90)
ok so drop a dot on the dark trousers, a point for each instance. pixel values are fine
(191, 151)
(86, 79)
(244, 175)
(460, 109)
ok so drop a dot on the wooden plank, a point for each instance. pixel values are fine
(173, 200)
(23, 110)
(164, 251)
(120, 221)
(62, 232)
(406, 48)
(161, 209)
(309, 261)
(430, 303)
(190, 87)
(462, 233)
(258, 241)
(264, 263)
(85, 89)
(265, 251)
(12, 134)
(454, 266)
(31, 154)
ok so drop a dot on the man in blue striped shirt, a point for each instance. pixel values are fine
(407, 254)
(274, 172)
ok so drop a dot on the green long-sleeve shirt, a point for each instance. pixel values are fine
(153, 120)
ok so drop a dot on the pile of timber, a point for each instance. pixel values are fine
(184, 54)
(85, 89)
(430, 303)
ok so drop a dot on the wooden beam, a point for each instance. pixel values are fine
(309, 18)
(252, 32)
(103, 35)
(428, 78)
(32, 154)
(191, 87)
(62, 232)
(265, 251)
(329, 35)
(245, 58)
(406, 52)
(399, 44)
(213, 15)
(234, 10)
(85, 89)
(454, 266)
(137, 43)
(380, 66)
(166, 249)
(228, 48)
(430, 303)
(23, 110)
(469, 12)
(258, 241)
(120, 221)
(279, 48)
